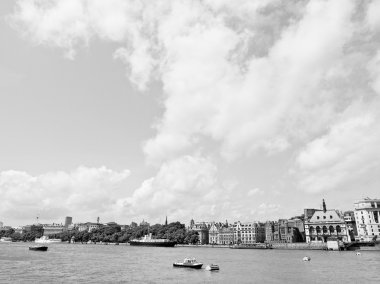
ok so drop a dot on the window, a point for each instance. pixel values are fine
(324, 217)
(330, 216)
(318, 217)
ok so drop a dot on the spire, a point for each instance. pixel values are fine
(324, 206)
(166, 221)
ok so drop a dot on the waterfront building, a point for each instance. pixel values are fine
(270, 227)
(88, 226)
(213, 233)
(284, 231)
(203, 230)
(349, 218)
(52, 229)
(248, 232)
(367, 217)
(325, 225)
(226, 235)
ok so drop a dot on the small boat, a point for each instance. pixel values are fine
(39, 248)
(148, 241)
(188, 263)
(6, 240)
(211, 267)
(46, 240)
(306, 258)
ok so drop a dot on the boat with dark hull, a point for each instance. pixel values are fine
(148, 241)
(38, 248)
(188, 263)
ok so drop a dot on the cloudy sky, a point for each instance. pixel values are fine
(205, 109)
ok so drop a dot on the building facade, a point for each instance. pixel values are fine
(226, 235)
(202, 228)
(88, 226)
(68, 221)
(52, 229)
(213, 233)
(367, 217)
(349, 218)
(248, 233)
(284, 231)
(326, 225)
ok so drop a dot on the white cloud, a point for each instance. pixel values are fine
(83, 193)
(347, 156)
(237, 78)
(254, 191)
(182, 188)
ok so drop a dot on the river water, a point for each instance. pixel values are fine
(77, 263)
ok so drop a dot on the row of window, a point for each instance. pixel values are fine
(324, 217)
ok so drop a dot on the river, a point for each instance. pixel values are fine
(77, 263)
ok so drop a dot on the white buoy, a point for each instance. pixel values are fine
(306, 258)
(358, 253)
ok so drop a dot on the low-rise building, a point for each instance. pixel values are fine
(326, 225)
(52, 229)
(367, 217)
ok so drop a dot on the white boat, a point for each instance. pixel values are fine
(6, 240)
(46, 240)
(212, 267)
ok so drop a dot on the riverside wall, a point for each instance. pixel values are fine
(288, 246)
(300, 246)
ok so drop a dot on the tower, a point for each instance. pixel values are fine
(166, 221)
(97, 220)
(68, 221)
(324, 205)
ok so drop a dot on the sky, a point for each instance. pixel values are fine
(205, 109)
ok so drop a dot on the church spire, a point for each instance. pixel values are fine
(166, 221)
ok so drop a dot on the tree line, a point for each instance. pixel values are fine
(28, 236)
(174, 231)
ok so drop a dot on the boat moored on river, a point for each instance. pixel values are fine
(148, 241)
(6, 240)
(46, 240)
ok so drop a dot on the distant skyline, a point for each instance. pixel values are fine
(212, 110)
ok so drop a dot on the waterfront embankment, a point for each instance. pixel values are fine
(286, 246)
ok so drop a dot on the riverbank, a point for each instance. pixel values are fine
(284, 246)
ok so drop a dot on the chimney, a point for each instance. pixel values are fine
(324, 206)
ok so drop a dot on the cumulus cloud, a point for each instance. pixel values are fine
(186, 186)
(83, 193)
(255, 191)
(347, 154)
(241, 77)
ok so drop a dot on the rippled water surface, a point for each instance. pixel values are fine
(76, 263)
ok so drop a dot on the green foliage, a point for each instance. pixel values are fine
(174, 231)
